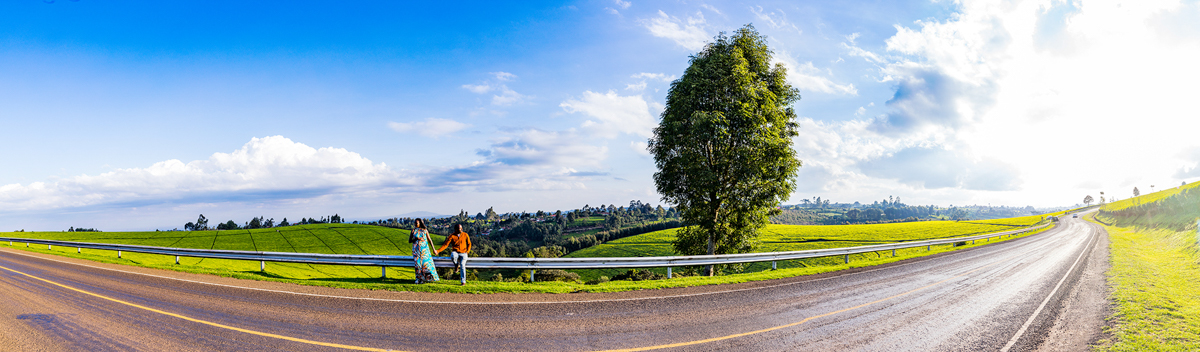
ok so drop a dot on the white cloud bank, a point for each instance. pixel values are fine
(271, 168)
(1035, 102)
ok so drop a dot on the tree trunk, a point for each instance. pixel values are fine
(709, 269)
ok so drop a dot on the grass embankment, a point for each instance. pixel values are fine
(362, 239)
(1155, 257)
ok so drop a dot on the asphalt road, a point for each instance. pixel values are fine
(1042, 292)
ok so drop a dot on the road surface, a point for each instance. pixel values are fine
(1042, 292)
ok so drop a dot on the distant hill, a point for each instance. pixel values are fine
(423, 214)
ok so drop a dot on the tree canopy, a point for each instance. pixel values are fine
(724, 146)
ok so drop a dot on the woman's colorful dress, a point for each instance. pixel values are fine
(422, 258)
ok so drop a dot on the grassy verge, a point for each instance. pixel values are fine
(401, 279)
(1155, 281)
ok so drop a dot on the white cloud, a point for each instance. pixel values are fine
(640, 147)
(690, 35)
(776, 19)
(711, 8)
(985, 98)
(640, 86)
(613, 114)
(860, 52)
(655, 76)
(506, 96)
(431, 127)
(808, 77)
(622, 4)
(264, 169)
(477, 88)
(504, 76)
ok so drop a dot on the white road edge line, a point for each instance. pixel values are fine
(475, 303)
(1029, 322)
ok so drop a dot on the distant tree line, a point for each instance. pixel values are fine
(80, 229)
(259, 222)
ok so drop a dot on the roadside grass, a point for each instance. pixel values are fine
(363, 239)
(1154, 279)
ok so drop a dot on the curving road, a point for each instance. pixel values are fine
(1042, 292)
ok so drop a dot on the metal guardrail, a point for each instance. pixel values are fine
(385, 261)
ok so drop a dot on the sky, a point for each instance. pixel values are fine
(141, 115)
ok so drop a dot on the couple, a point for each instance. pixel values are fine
(423, 260)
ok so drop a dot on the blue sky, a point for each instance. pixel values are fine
(142, 115)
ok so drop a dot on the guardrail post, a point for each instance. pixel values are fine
(26, 244)
(772, 265)
(668, 272)
(846, 259)
(49, 247)
(928, 248)
(78, 249)
(176, 260)
(118, 254)
(262, 265)
(383, 272)
(893, 252)
(530, 275)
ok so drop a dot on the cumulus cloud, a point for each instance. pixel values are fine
(269, 168)
(622, 4)
(431, 127)
(689, 34)
(613, 114)
(504, 76)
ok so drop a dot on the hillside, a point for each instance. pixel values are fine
(1155, 256)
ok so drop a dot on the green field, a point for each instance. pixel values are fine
(320, 238)
(780, 238)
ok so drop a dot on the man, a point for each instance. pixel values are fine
(460, 243)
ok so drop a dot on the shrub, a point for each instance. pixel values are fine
(556, 275)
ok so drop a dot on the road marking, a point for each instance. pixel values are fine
(697, 342)
(491, 303)
(1029, 322)
(223, 326)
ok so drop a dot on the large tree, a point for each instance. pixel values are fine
(724, 146)
(1088, 200)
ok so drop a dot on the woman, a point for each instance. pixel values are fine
(422, 260)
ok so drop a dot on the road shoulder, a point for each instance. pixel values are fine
(1080, 323)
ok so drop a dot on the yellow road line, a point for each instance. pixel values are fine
(252, 332)
(715, 339)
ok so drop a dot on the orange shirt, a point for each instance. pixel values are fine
(461, 242)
